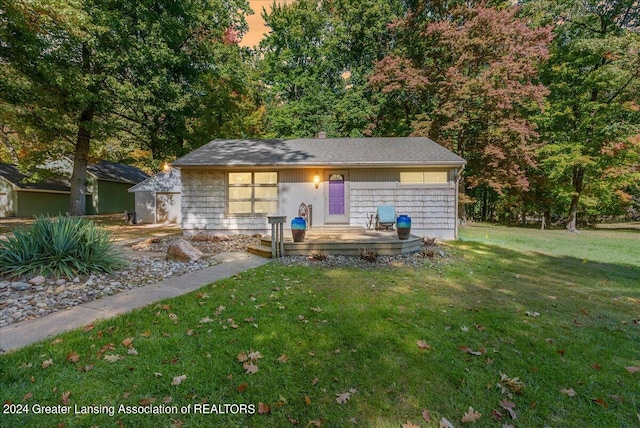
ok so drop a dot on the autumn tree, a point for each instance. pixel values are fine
(84, 71)
(472, 87)
(592, 122)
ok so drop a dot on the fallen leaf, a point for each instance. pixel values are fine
(56, 341)
(27, 396)
(283, 358)
(65, 398)
(177, 380)
(315, 381)
(633, 369)
(596, 366)
(173, 317)
(464, 328)
(132, 351)
(315, 423)
(243, 387)
(112, 358)
(254, 355)
(423, 345)
(47, 363)
(73, 357)
(242, 357)
(205, 320)
(496, 415)
(307, 400)
(410, 424)
(250, 368)
(343, 398)
(470, 416)
(444, 423)
(263, 408)
(426, 415)
(479, 327)
(127, 342)
(88, 328)
(146, 401)
(570, 392)
(509, 407)
(616, 398)
(166, 400)
(219, 310)
(600, 402)
(468, 350)
(532, 314)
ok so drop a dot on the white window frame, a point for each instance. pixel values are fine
(253, 199)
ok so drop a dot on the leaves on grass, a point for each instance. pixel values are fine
(177, 380)
(127, 342)
(470, 416)
(112, 358)
(444, 423)
(250, 368)
(73, 357)
(307, 400)
(423, 345)
(283, 358)
(532, 314)
(600, 402)
(633, 369)
(426, 415)
(410, 424)
(243, 387)
(343, 398)
(27, 396)
(47, 363)
(570, 392)
(468, 350)
(242, 357)
(509, 407)
(65, 398)
(263, 408)
(508, 385)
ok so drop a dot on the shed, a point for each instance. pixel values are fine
(157, 199)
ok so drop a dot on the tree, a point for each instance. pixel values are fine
(78, 71)
(472, 87)
(592, 121)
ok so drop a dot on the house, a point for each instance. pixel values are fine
(233, 185)
(20, 198)
(107, 186)
(108, 183)
(158, 197)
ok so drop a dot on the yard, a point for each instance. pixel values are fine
(514, 327)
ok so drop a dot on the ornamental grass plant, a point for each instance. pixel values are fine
(59, 246)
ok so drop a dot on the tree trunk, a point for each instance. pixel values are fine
(78, 197)
(578, 180)
(6, 131)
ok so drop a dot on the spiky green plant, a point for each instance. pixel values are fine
(61, 246)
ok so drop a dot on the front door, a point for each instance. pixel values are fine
(337, 198)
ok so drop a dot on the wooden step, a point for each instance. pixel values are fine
(260, 250)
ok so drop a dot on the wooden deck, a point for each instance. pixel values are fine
(342, 241)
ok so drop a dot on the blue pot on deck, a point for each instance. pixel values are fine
(298, 229)
(403, 226)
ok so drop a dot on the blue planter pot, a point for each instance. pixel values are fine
(298, 229)
(403, 226)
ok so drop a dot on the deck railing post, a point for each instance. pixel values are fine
(277, 235)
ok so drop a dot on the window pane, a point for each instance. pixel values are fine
(239, 207)
(239, 178)
(265, 178)
(239, 192)
(266, 207)
(266, 192)
(435, 177)
(411, 177)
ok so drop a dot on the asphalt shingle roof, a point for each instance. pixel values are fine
(405, 151)
(15, 177)
(111, 171)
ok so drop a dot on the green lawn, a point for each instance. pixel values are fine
(542, 323)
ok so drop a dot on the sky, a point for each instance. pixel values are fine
(256, 25)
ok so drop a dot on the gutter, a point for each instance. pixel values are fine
(458, 178)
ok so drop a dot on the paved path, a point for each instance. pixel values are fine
(27, 332)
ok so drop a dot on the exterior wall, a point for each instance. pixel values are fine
(432, 208)
(145, 207)
(31, 204)
(7, 199)
(110, 197)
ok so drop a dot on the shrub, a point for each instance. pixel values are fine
(318, 255)
(62, 246)
(368, 254)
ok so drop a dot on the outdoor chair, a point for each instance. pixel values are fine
(385, 217)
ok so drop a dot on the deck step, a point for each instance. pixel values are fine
(260, 250)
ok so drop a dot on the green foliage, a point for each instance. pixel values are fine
(64, 246)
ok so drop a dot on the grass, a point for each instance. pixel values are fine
(551, 320)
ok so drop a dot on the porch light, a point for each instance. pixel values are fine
(316, 180)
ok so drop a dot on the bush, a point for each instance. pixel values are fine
(62, 246)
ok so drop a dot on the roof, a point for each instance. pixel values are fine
(396, 151)
(15, 177)
(111, 171)
(164, 181)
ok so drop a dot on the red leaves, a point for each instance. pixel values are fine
(468, 350)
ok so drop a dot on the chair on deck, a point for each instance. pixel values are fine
(385, 217)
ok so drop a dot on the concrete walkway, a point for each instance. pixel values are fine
(27, 332)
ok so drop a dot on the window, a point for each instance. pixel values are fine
(423, 177)
(253, 193)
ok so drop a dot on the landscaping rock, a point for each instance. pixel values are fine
(20, 286)
(37, 280)
(183, 251)
(210, 237)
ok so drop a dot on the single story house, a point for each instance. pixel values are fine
(233, 185)
(20, 198)
(107, 186)
(158, 197)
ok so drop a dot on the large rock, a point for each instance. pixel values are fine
(183, 251)
(210, 237)
(37, 280)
